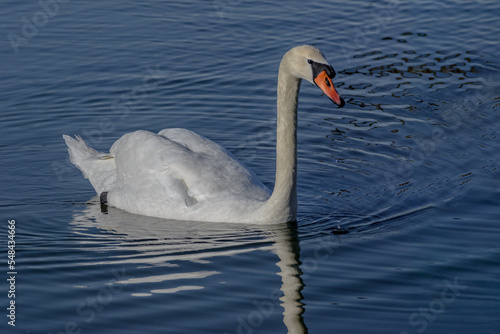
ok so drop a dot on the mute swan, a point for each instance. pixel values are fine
(178, 174)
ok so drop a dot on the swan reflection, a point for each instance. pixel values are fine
(149, 241)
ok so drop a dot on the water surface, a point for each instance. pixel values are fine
(409, 167)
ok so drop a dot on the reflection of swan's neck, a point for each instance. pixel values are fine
(288, 250)
(283, 201)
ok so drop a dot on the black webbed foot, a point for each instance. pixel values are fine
(103, 198)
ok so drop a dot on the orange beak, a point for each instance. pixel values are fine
(324, 83)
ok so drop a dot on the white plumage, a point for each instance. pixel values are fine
(178, 174)
(175, 174)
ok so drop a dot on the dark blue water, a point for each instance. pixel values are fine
(409, 167)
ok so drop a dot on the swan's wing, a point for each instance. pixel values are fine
(209, 170)
(178, 167)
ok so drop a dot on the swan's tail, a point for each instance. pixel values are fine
(98, 168)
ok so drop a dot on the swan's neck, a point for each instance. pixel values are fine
(283, 201)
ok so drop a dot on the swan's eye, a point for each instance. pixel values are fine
(309, 61)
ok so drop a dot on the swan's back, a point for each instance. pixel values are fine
(176, 174)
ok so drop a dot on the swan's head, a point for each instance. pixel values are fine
(307, 62)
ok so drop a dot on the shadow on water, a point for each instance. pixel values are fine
(146, 241)
(162, 246)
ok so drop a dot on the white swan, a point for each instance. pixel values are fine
(178, 174)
